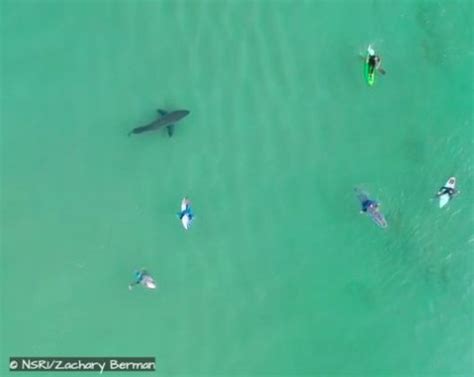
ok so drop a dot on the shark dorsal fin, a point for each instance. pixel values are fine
(162, 112)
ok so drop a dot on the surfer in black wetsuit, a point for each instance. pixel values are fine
(374, 62)
(366, 204)
(141, 277)
(365, 201)
(447, 190)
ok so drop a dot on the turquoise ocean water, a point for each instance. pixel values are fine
(279, 275)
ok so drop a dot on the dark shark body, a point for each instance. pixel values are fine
(165, 120)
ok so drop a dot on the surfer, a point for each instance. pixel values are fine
(447, 190)
(186, 214)
(369, 204)
(374, 61)
(371, 208)
(142, 277)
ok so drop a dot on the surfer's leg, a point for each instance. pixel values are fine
(132, 284)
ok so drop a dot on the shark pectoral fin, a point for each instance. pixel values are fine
(170, 129)
(162, 112)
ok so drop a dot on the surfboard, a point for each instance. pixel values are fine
(186, 220)
(444, 199)
(184, 204)
(377, 217)
(369, 76)
(149, 283)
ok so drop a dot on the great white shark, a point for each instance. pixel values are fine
(166, 119)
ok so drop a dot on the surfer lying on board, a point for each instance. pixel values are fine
(186, 214)
(142, 277)
(374, 61)
(371, 208)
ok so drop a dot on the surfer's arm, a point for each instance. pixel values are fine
(452, 193)
(378, 66)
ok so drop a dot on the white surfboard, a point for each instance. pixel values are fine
(444, 199)
(149, 282)
(186, 221)
(184, 204)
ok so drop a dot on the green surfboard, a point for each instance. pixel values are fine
(369, 76)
